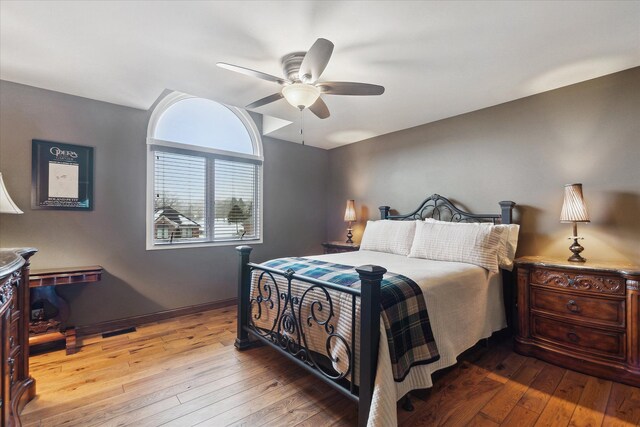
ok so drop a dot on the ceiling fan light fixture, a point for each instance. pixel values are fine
(301, 86)
(301, 95)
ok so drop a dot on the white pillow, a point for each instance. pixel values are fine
(458, 242)
(508, 242)
(508, 245)
(394, 237)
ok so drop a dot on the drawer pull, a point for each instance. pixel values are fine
(12, 365)
(572, 282)
(573, 337)
(573, 306)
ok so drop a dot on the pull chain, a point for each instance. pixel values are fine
(302, 125)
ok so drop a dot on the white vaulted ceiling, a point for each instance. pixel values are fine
(435, 59)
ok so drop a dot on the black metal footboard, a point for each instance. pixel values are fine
(285, 330)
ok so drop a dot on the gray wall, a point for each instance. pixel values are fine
(524, 151)
(137, 281)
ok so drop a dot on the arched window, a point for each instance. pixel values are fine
(204, 185)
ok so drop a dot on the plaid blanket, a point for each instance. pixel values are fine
(403, 310)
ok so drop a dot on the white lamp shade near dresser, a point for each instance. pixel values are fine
(6, 203)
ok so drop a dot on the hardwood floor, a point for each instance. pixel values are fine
(185, 371)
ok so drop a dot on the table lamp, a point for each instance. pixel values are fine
(574, 211)
(6, 204)
(350, 216)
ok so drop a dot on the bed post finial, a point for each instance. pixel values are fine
(370, 281)
(384, 212)
(244, 287)
(507, 209)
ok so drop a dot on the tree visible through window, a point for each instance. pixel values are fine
(206, 162)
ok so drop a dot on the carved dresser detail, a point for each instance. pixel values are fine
(17, 385)
(585, 317)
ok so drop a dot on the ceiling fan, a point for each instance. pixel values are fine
(300, 86)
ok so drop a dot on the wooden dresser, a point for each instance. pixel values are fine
(582, 316)
(17, 385)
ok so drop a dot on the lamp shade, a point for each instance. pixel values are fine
(350, 211)
(573, 208)
(6, 204)
(301, 95)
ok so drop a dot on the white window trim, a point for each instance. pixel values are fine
(256, 141)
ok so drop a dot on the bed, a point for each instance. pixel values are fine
(338, 331)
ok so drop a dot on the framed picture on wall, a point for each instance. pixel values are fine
(61, 176)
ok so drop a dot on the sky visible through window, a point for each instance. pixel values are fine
(204, 123)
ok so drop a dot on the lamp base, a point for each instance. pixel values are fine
(349, 236)
(576, 248)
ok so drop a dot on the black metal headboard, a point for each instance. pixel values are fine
(441, 208)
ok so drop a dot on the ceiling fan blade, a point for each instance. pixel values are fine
(320, 109)
(350, 88)
(266, 100)
(252, 73)
(315, 61)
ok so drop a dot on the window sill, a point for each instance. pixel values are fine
(153, 247)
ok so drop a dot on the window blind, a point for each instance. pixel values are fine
(236, 200)
(204, 199)
(180, 198)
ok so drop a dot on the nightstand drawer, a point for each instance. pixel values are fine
(339, 247)
(603, 311)
(334, 250)
(595, 283)
(581, 338)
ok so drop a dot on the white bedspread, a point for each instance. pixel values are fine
(465, 304)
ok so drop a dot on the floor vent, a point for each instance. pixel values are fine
(119, 332)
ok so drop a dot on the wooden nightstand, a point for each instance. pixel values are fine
(582, 316)
(337, 247)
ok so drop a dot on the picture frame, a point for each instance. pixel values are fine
(61, 176)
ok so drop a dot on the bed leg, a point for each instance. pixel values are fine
(244, 287)
(406, 403)
(370, 281)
